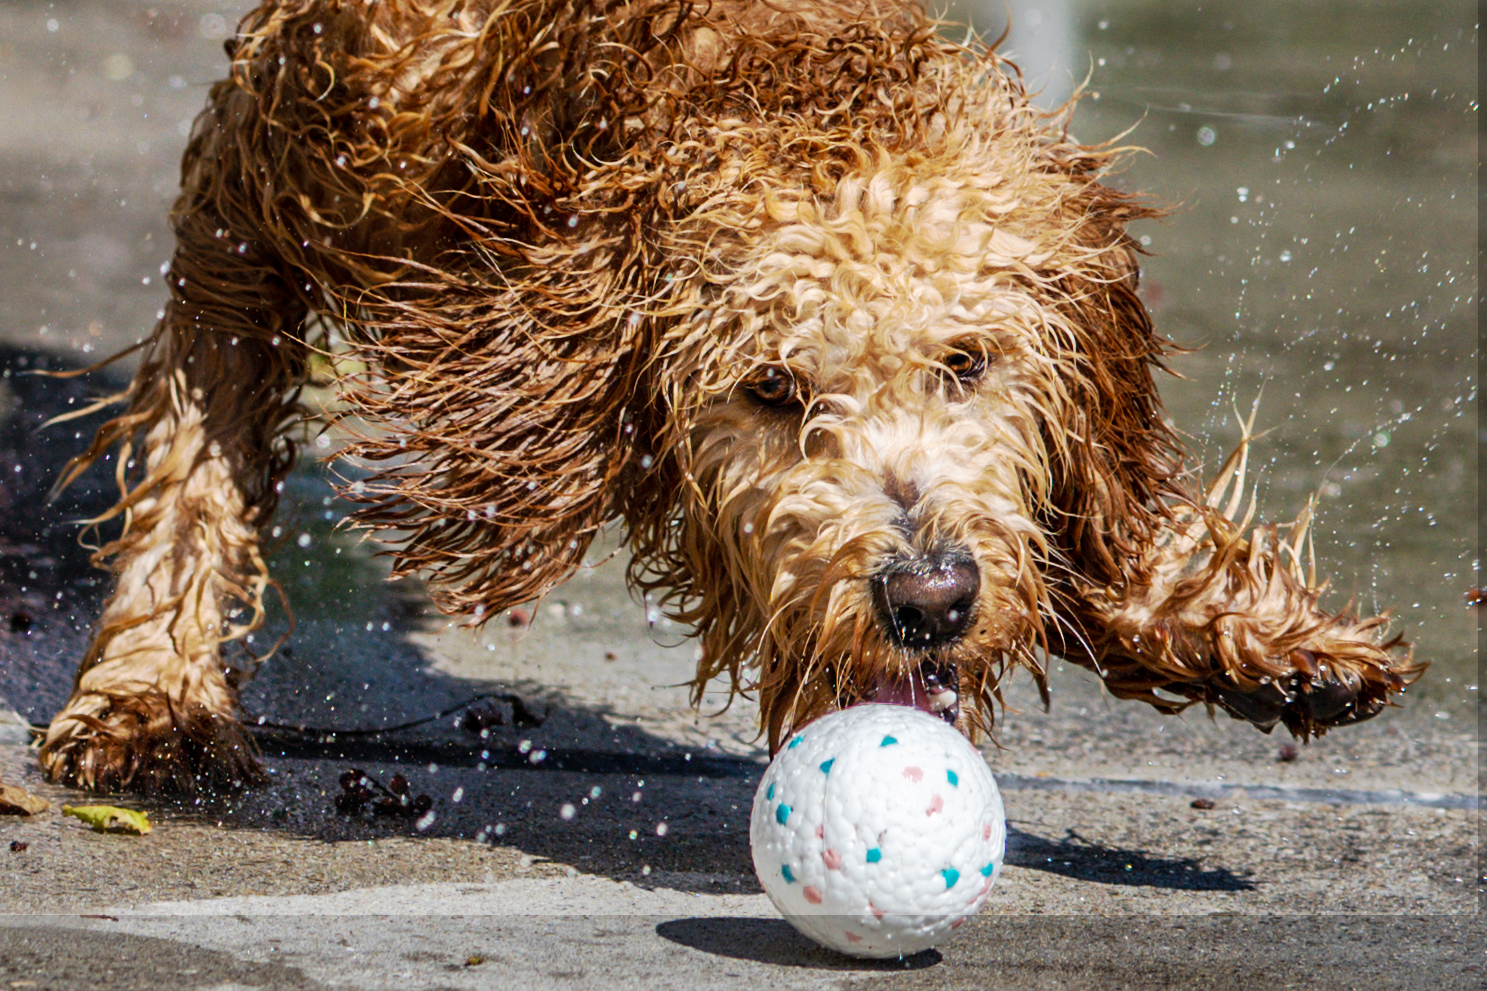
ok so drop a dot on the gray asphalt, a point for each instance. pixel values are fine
(1051, 953)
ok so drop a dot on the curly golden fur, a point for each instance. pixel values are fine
(840, 327)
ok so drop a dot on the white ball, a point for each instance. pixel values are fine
(877, 830)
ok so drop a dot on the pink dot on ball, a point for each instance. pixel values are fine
(936, 804)
(812, 894)
(914, 774)
(833, 859)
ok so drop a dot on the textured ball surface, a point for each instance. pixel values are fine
(877, 830)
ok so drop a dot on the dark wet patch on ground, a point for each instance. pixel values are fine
(49, 592)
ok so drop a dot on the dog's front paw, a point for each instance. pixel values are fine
(1317, 695)
(148, 743)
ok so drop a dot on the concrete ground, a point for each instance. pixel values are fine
(595, 836)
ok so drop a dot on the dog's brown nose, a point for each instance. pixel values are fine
(927, 603)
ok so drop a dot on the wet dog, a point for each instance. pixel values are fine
(841, 331)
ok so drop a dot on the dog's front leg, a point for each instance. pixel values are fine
(1222, 614)
(153, 706)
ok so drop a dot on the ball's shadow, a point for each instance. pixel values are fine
(775, 941)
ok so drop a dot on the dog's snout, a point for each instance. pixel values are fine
(925, 604)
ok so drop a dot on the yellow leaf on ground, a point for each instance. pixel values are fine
(110, 818)
(20, 802)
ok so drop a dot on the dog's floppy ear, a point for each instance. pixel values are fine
(501, 438)
(1117, 473)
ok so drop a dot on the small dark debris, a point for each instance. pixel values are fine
(1288, 753)
(474, 961)
(1476, 597)
(1203, 803)
(18, 846)
(503, 710)
(20, 622)
(485, 716)
(517, 618)
(396, 798)
(610, 655)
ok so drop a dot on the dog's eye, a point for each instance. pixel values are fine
(965, 364)
(773, 387)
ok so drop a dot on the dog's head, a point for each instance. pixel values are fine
(918, 398)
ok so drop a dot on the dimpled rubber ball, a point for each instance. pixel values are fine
(877, 830)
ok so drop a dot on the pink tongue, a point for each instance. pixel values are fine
(903, 691)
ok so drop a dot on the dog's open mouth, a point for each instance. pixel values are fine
(933, 687)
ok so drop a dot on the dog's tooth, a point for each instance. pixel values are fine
(940, 701)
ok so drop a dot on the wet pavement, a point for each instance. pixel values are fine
(1324, 253)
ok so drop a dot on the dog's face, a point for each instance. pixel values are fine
(870, 455)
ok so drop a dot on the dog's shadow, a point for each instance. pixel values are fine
(1075, 857)
(554, 777)
(49, 592)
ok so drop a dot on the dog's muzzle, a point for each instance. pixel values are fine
(923, 605)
